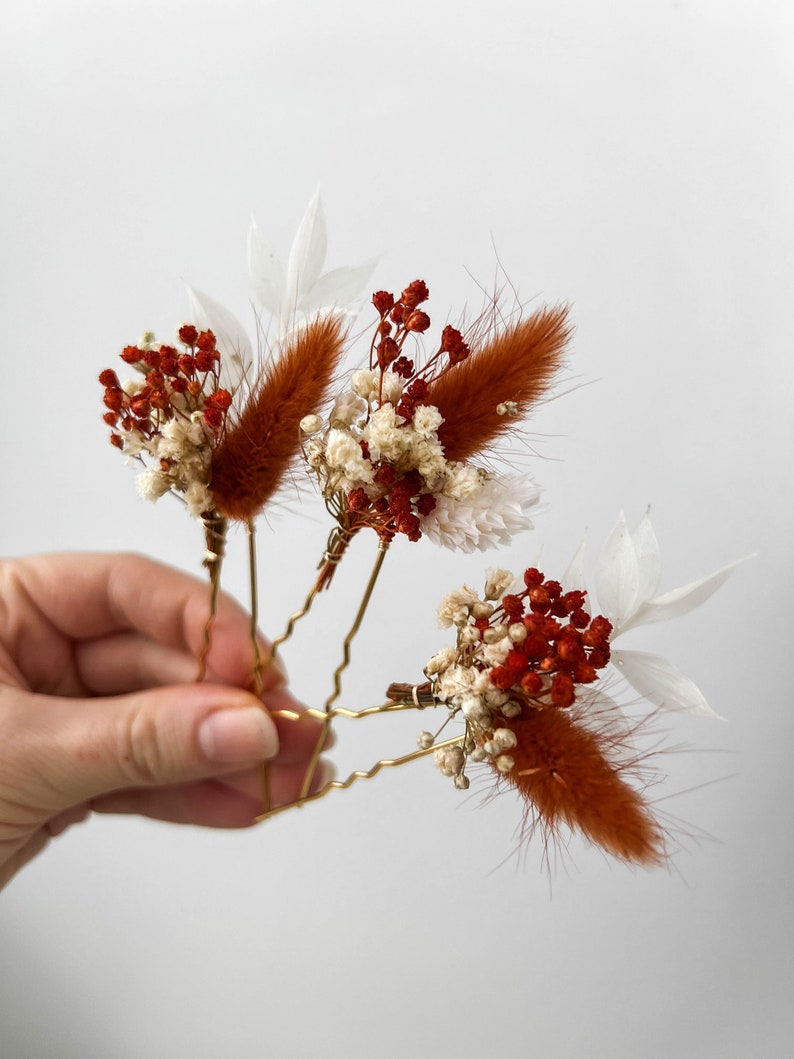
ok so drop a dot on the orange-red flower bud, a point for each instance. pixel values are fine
(114, 398)
(414, 294)
(417, 321)
(388, 352)
(220, 399)
(383, 301)
(188, 334)
(205, 341)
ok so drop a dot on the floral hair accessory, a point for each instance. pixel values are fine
(404, 448)
(395, 453)
(527, 679)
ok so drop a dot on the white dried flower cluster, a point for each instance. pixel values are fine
(337, 455)
(473, 508)
(184, 447)
(490, 516)
(459, 678)
(366, 385)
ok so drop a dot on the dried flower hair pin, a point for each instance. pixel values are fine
(403, 450)
(215, 426)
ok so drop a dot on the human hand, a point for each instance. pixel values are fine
(100, 711)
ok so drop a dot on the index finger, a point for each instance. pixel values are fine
(94, 596)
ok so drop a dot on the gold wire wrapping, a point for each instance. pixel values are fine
(215, 528)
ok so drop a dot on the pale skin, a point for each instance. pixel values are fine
(100, 711)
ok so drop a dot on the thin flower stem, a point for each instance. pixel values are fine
(294, 619)
(341, 711)
(215, 526)
(337, 690)
(341, 785)
(383, 547)
(258, 683)
(335, 549)
(332, 556)
(254, 590)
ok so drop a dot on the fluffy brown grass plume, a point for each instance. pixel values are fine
(516, 364)
(563, 773)
(256, 453)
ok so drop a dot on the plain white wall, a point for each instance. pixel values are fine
(632, 158)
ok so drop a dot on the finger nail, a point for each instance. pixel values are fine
(237, 735)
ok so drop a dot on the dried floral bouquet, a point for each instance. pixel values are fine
(404, 450)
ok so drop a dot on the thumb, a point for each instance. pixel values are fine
(82, 748)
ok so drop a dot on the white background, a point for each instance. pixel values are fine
(632, 158)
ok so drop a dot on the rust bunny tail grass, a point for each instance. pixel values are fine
(562, 771)
(255, 455)
(517, 364)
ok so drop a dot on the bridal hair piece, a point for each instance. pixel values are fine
(527, 689)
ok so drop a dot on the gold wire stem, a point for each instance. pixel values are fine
(253, 632)
(335, 549)
(383, 547)
(215, 526)
(294, 619)
(341, 785)
(341, 711)
(254, 593)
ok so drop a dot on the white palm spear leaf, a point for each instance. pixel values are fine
(301, 288)
(627, 577)
(232, 341)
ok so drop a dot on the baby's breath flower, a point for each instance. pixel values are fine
(455, 606)
(475, 710)
(384, 436)
(507, 408)
(348, 409)
(152, 483)
(497, 583)
(365, 384)
(468, 635)
(449, 759)
(343, 455)
(517, 632)
(463, 482)
(494, 653)
(198, 498)
(511, 708)
(440, 661)
(505, 738)
(427, 420)
(494, 634)
(311, 424)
